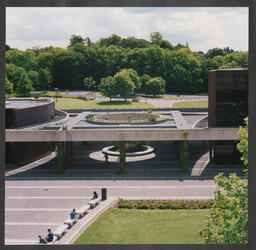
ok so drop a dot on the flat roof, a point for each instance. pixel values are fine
(234, 69)
(25, 103)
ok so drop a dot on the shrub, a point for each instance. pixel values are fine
(60, 161)
(90, 117)
(151, 118)
(82, 97)
(151, 204)
(124, 204)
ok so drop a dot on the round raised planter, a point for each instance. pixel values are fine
(147, 151)
(126, 118)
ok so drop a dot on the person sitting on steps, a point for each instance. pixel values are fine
(49, 237)
(95, 195)
(42, 240)
(73, 214)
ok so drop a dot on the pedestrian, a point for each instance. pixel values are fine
(106, 158)
(95, 195)
(42, 240)
(73, 214)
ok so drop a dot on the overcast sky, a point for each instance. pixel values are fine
(202, 28)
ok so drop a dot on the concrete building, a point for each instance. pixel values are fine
(20, 113)
(228, 106)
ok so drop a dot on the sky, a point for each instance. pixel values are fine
(201, 28)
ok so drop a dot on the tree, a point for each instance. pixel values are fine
(14, 74)
(134, 77)
(143, 80)
(107, 87)
(227, 50)
(211, 53)
(89, 82)
(156, 38)
(123, 85)
(34, 78)
(88, 41)
(24, 86)
(8, 86)
(242, 146)
(228, 219)
(155, 86)
(25, 59)
(132, 43)
(7, 47)
(76, 39)
(44, 78)
(166, 45)
(111, 40)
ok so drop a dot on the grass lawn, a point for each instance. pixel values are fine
(67, 103)
(132, 226)
(192, 104)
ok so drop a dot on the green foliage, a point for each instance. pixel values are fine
(60, 161)
(242, 146)
(90, 117)
(165, 204)
(182, 70)
(8, 86)
(155, 86)
(107, 87)
(123, 84)
(89, 82)
(33, 77)
(151, 118)
(130, 146)
(24, 86)
(185, 156)
(45, 79)
(211, 53)
(76, 39)
(145, 78)
(156, 37)
(134, 77)
(228, 219)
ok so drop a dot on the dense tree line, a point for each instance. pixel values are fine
(182, 69)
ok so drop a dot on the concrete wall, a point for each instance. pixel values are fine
(208, 134)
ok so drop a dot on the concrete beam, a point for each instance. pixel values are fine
(207, 134)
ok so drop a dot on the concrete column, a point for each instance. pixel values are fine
(181, 149)
(61, 144)
(122, 153)
(210, 149)
(69, 152)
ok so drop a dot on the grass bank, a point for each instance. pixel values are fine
(191, 104)
(66, 103)
(124, 226)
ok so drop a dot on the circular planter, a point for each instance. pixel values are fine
(127, 118)
(108, 151)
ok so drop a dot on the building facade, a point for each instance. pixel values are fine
(20, 113)
(227, 107)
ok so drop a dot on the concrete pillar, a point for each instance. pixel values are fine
(69, 152)
(122, 153)
(61, 144)
(181, 148)
(210, 149)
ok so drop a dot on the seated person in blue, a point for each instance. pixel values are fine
(95, 195)
(73, 214)
(49, 237)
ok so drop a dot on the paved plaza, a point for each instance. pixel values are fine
(37, 199)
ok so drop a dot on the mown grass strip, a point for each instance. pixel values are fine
(124, 226)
